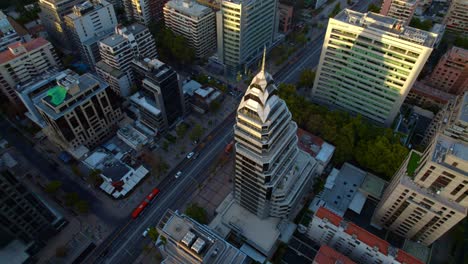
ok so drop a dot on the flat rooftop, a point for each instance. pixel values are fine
(113, 40)
(189, 8)
(448, 146)
(145, 103)
(109, 69)
(463, 114)
(392, 26)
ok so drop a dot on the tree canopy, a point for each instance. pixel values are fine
(373, 8)
(424, 25)
(307, 78)
(374, 148)
(171, 46)
(197, 212)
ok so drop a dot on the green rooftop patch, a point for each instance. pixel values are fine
(57, 94)
(412, 163)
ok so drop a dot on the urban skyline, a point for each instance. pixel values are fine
(234, 131)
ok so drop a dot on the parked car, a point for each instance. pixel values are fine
(178, 174)
(145, 233)
(190, 155)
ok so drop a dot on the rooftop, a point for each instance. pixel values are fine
(433, 93)
(191, 86)
(113, 40)
(463, 114)
(192, 240)
(189, 8)
(134, 29)
(315, 146)
(85, 7)
(448, 146)
(110, 166)
(391, 26)
(30, 46)
(109, 69)
(146, 103)
(327, 255)
(373, 185)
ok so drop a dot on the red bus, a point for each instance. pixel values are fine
(145, 203)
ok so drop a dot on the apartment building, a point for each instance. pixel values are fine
(399, 9)
(241, 38)
(25, 216)
(159, 84)
(21, 62)
(79, 111)
(285, 14)
(271, 173)
(428, 194)
(144, 11)
(52, 18)
(88, 23)
(368, 64)
(354, 242)
(193, 21)
(456, 19)
(191, 242)
(127, 43)
(8, 34)
(451, 73)
(117, 80)
(327, 255)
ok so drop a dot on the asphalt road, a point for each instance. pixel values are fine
(45, 167)
(127, 242)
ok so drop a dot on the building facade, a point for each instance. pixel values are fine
(244, 28)
(144, 11)
(327, 228)
(127, 43)
(24, 215)
(193, 21)
(451, 72)
(327, 255)
(399, 9)
(8, 34)
(428, 194)
(117, 80)
(160, 83)
(285, 13)
(89, 22)
(271, 173)
(193, 243)
(79, 111)
(456, 19)
(369, 63)
(21, 62)
(52, 18)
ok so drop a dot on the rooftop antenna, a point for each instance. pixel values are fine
(264, 57)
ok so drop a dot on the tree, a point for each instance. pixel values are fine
(215, 106)
(197, 132)
(197, 213)
(172, 47)
(461, 41)
(153, 233)
(71, 199)
(307, 78)
(95, 178)
(335, 10)
(61, 251)
(53, 186)
(424, 25)
(181, 130)
(373, 8)
(82, 206)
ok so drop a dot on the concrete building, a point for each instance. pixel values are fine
(271, 172)
(451, 73)
(327, 228)
(424, 95)
(319, 149)
(25, 217)
(144, 11)
(203, 99)
(126, 44)
(79, 111)
(456, 19)
(21, 62)
(241, 39)
(8, 34)
(88, 23)
(399, 9)
(368, 64)
(52, 18)
(119, 171)
(159, 83)
(316, 4)
(117, 80)
(190, 242)
(285, 13)
(193, 21)
(327, 255)
(427, 196)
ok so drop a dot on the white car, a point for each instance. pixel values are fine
(145, 233)
(178, 174)
(190, 155)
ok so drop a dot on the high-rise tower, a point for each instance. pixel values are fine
(271, 172)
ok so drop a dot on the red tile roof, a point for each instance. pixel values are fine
(335, 219)
(306, 139)
(406, 258)
(6, 55)
(368, 238)
(327, 255)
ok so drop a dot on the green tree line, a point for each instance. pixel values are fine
(374, 148)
